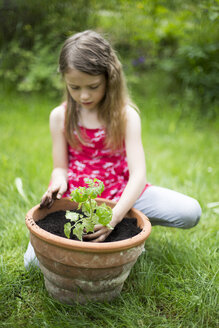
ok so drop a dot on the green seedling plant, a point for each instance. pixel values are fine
(92, 213)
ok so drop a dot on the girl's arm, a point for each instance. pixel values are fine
(137, 175)
(136, 165)
(59, 180)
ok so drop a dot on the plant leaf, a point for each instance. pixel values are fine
(72, 216)
(95, 219)
(78, 230)
(79, 195)
(104, 214)
(67, 229)
(95, 188)
(86, 207)
(88, 225)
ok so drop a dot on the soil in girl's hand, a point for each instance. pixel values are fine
(55, 221)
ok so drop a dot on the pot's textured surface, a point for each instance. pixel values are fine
(83, 271)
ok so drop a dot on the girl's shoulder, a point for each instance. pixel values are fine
(57, 117)
(132, 113)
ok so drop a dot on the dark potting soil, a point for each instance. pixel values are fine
(55, 221)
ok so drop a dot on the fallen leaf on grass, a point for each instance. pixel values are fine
(213, 204)
(19, 186)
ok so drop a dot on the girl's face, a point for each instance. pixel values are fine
(87, 90)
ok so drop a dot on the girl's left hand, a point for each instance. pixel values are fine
(100, 233)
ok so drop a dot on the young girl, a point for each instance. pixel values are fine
(96, 133)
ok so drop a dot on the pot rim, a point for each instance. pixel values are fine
(96, 247)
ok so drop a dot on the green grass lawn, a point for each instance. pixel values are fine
(173, 284)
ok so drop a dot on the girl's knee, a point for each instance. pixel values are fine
(192, 215)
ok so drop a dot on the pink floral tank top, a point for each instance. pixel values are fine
(94, 160)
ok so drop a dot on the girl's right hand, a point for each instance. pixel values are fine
(55, 191)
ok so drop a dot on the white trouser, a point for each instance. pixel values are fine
(169, 208)
(162, 206)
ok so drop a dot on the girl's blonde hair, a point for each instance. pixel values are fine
(90, 53)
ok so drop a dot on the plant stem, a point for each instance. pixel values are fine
(91, 209)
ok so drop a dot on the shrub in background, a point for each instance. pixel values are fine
(194, 65)
(174, 37)
(30, 36)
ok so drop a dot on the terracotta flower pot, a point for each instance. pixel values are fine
(82, 271)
